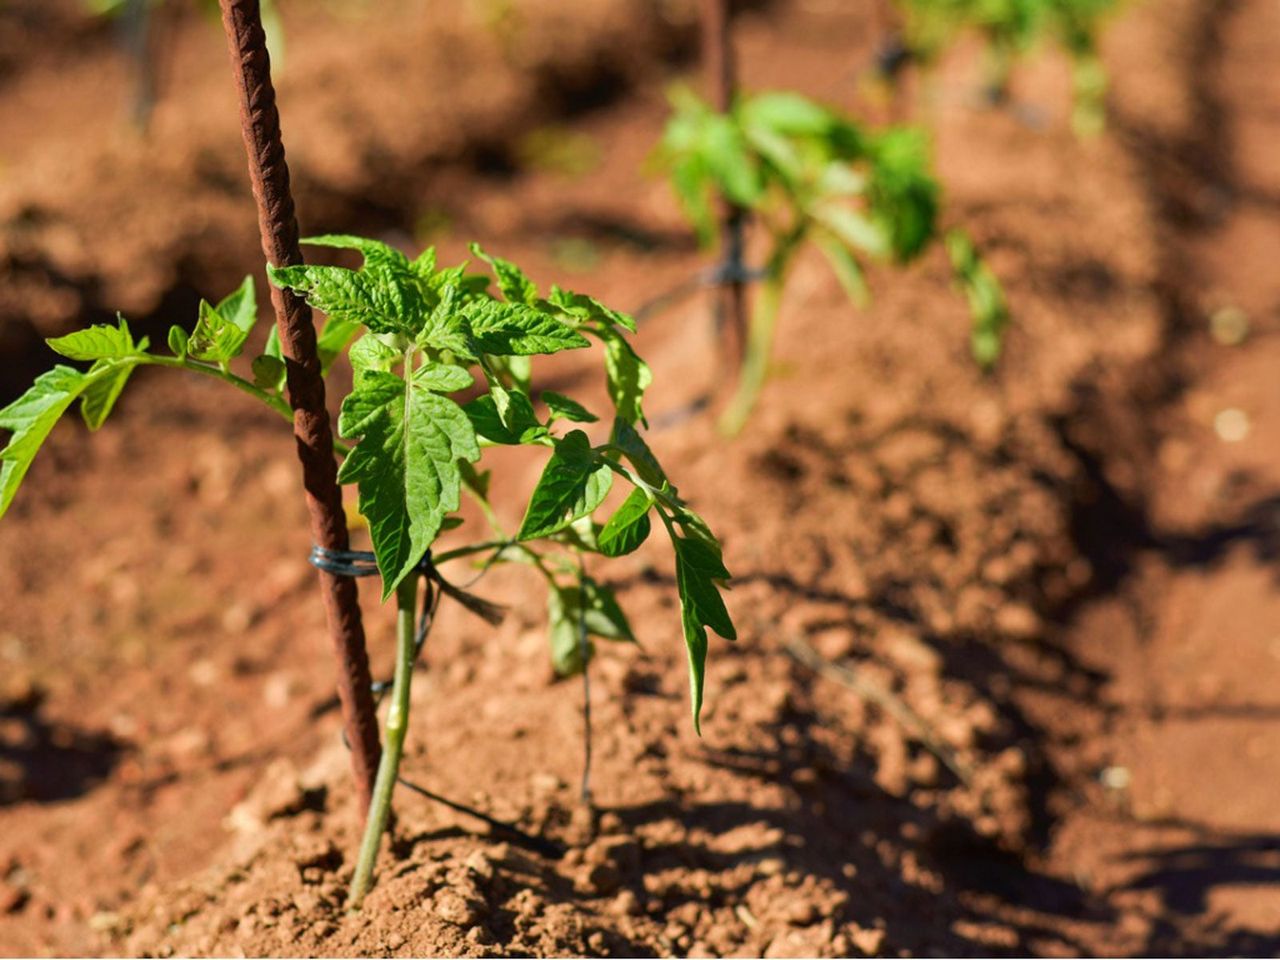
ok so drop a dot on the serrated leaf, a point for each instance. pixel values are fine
(627, 376)
(698, 568)
(375, 252)
(573, 483)
(97, 342)
(507, 329)
(566, 408)
(406, 467)
(628, 527)
(513, 283)
(374, 296)
(583, 308)
(220, 331)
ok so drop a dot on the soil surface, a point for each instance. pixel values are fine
(1008, 644)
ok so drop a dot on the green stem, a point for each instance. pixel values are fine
(393, 748)
(755, 366)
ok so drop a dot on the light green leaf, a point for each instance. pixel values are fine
(406, 466)
(30, 418)
(566, 408)
(590, 606)
(374, 252)
(220, 331)
(573, 484)
(443, 377)
(178, 341)
(506, 329)
(513, 283)
(97, 342)
(375, 296)
(628, 527)
(584, 309)
(333, 340)
(627, 376)
(102, 388)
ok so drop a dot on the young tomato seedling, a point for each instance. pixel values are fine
(809, 176)
(421, 340)
(1010, 29)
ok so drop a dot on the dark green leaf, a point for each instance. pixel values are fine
(573, 484)
(627, 439)
(268, 372)
(628, 527)
(515, 425)
(566, 408)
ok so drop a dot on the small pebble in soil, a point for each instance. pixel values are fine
(1231, 425)
(1229, 326)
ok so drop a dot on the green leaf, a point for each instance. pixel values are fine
(788, 114)
(97, 342)
(728, 157)
(566, 408)
(513, 283)
(627, 376)
(573, 484)
(372, 352)
(628, 527)
(987, 305)
(584, 309)
(220, 331)
(515, 424)
(698, 568)
(406, 466)
(590, 606)
(627, 439)
(102, 388)
(268, 372)
(30, 418)
(506, 329)
(443, 377)
(178, 341)
(376, 296)
(374, 252)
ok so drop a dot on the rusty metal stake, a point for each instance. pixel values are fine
(731, 302)
(269, 175)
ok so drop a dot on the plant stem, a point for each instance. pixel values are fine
(313, 433)
(396, 727)
(276, 403)
(755, 366)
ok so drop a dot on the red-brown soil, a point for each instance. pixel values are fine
(1063, 570)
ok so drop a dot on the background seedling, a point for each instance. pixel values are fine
(812, 177)
(1012, 29)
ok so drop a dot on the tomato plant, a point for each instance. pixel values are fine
(810, 176)
(442, 371)
(1011, 29)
